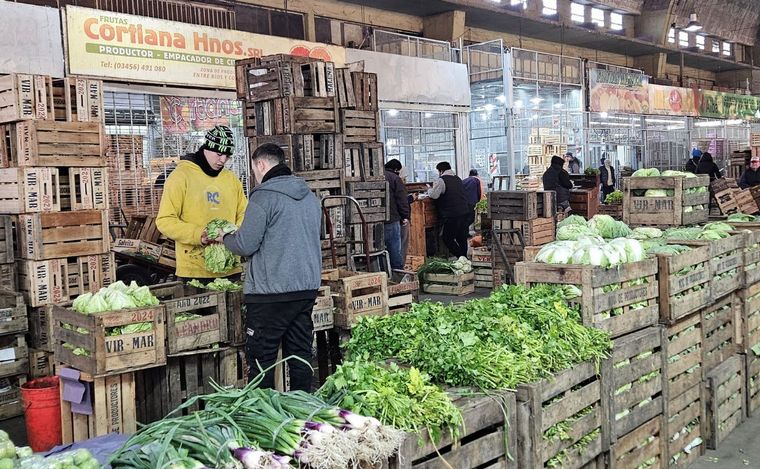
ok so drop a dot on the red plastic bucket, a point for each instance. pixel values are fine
(42, 411)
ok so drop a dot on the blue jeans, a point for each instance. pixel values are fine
(393, 244)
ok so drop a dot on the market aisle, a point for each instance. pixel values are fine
(739, 451)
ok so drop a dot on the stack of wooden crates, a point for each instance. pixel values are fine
(53, 206)
(326, 121)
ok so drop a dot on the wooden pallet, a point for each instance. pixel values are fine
(364, 162)
(359, 126)
(521, 205)
(664, 211)
(632, 375)
(50, 143)
(719, 332)
(77, 99)
(620, 311)
(10, 398)
(355, 295)
(62, 280)
(16, 355)
(488, 438)
(373, 199)
(191, 335)
(45, 236)
(41, 363)
(365, 90)
(725, 402)
(13, 318)
(24, 97)
(677, 295)
(113, 409)
(162, 389)
(643, 447)
(31, 190)
(449, 284)
(293, 115)
(682, 346)
(109, 355)
(576, 392)
(535, 232)
(684, 422)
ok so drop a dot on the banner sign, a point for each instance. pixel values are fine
(727, 105)
(618, 91)
(180, 115)
(140, 49)
(672, 101)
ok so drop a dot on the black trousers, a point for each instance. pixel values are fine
(607, 190)
(270, 324)
(455, 231)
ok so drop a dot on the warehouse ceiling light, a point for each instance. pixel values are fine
(489, 107)
(694, 24)
(392, 112)
(501, 98)
(536, 100)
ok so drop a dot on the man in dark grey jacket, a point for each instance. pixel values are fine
(399, 213)
(280, 237)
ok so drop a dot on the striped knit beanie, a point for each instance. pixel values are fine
(220, 140)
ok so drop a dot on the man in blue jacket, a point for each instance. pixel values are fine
(280, 237)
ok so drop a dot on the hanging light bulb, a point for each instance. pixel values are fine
(694, 24)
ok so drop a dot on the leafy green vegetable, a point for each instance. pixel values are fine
(217, 258)
(481, 206)
(573, 232)
(572, 220)
(591, 172)
(740, 217)
(219, 284)
(646, 172)
(615, 197)
(643, 232)
(608, 227)
(218, 226)
(439, 265)
(656, 193)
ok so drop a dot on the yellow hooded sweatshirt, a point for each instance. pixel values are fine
(190, 200)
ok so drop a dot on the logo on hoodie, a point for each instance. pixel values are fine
(212, 197)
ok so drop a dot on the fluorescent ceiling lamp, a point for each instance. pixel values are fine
(557, 105)
(519, 103)
(536, 100)
(708, 124)
(392, 112)
(693, 25)
(501, 98)
(603, 115)
(489, 107)
(428, 115)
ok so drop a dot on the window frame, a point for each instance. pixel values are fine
(574, 15)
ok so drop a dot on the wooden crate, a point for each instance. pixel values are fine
(344, 89)
(364, 162)
(534, 232)
(113, 408)
(109, 355)
(356, 295)
(719, 332)
(643, 447)
(725, 401)
(684, 293)
(193, 334)
(726, 201)
(13, 317)
(77, 99)
(295, 115)
(684, 421)
(8, 277)
(316, 79)
(413, 263)
(585, 202)
(45, 236)
(365, 90)
(665, 211)
(160, 390)
(10, 398)
(751, 252)
(746, 202)
(306, 152)
(256, 82)
(373, 199)
(576, 392)
(682, 347)
(31, 190)
(449, 284)
(7, 249)
(483, 277)
(62, 280)
(748, 320)
(341, 259)
(613, 210)
(727, 260)
(402, 295)
(15, 355)
(488, 438)
(24, 97)
(324, 182)
(40, 363)
(359, 126)
(618, 311)
(521, 205)
(753, 383)
(323, 315)
(50, 143)
(633, 375)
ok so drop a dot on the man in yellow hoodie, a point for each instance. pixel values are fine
(199, 190)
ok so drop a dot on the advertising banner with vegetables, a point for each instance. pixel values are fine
(618, 91)
(726, 105)
(672, 101)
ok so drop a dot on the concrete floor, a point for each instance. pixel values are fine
(739, 451)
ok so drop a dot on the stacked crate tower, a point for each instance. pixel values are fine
(53, 213)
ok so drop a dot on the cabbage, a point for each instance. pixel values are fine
(608, 227)
(218, 258)
(590, 256)
(740, 217)
(572, 220)
(573, 232)
(615, 254)
(671, 249)
(632, 249)
(719, 226)
(555, 253)
(80, 302)
(688, 209)
(97, 304)
(217, 226)
(644, 232)
(142, 297)
(672, 173)
(119, 300)
(646, 172)
(118, 286)
(713, 235)
(137, 327)
(689, 234)
(655, 193)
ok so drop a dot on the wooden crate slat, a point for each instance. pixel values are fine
(684, 422)
(725, 403)
(356, 295)
(684, 293)
(719, 332)
(56, 235)
(682, 347)
(642, 445)
(14, 346)
(359, 126)
(664, 211)
(521, 205)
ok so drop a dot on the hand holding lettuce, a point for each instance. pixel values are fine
(217, 257)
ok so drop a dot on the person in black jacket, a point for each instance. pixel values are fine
(607, 177)
(691, 165)
(707, 166)
(399, 213)
(453, 209)
(751, 176)
(556, 179)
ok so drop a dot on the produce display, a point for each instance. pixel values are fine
(437, 265)
(403, 398)
(254, 428)
(219, 284)
(742, 218)
(217, 257)
(654, 172)
(591, 172)
(481, 206)
(615, 197)
(22, 457)
(517, 335)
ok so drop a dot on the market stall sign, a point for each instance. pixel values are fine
(727, 105)
(180, 114)
(618, 91)
(672, 101)
(136, 48)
